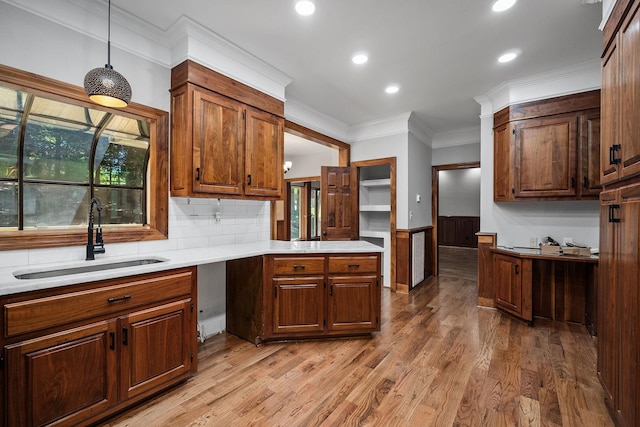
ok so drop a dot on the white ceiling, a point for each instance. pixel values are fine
(441, 53)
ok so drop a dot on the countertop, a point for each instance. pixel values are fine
(535, 253)
(172, 259)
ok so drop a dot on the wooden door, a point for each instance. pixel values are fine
(627, 305)
(629, 92)
(508, 283)
(607, 294)
(339, 203)
(65, 377)
(218, 138)
(157, 346)
(352, 303)
(298, 305)
(501, 161)
(264, 154)
(545, 157)
(609, 142)
(589, 175)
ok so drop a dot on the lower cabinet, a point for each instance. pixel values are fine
(510, 274)
(120, 341)
(278, 297)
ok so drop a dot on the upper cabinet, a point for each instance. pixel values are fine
(548, 150)
(227, 139)
(621, 97)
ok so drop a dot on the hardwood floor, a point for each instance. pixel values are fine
(438, 361)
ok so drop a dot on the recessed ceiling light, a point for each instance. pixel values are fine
(360, 58)
(392, 89)
(507, 57)
(502, 5)
(305, 7)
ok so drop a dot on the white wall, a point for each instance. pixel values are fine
(419, 172)
(459, 192)
(309, 165)
(466, 153)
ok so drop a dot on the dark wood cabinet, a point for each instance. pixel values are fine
(75, 355)
(548, 149)
(513, 292)
(618, 294)
(277, 297)
(222, 143)
(458, 231)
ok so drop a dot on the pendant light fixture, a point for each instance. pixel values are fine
(105, 86)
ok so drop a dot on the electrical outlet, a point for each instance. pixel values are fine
(533, 242)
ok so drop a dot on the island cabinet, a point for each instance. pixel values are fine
(227, 140)
(74, 355)
(282, 297)
(513, 293)
(548, 150)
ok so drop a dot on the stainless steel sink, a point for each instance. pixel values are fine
(41, 274)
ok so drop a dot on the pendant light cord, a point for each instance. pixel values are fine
(109, 37)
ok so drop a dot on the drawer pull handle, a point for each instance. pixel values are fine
(298, 266)
(125, 336)
(124, 298)
(354, 265)
(112, 335)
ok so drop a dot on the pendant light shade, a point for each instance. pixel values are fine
(105, 86)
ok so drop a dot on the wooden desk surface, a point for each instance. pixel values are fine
(529, 253)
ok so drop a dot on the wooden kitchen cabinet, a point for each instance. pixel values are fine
(227, 140)
(618, 294)
(77, 354)
(513, 291)
(620, 156)
(279, 297)
(548, 150)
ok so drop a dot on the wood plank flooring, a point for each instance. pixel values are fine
(438, 361)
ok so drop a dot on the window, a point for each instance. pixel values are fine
(58, 151)
(304, 200)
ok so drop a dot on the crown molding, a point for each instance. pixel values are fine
(563, 81)
(303, 115)
(380, 128)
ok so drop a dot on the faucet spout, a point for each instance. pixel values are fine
(98, 246)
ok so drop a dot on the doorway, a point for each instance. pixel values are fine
(455, 211)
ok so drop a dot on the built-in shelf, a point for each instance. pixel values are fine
(375, 208)
(376, 183)
(380, 234)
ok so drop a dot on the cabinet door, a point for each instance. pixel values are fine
(607, 294)
(545, 157)
(264, 154)
(65, 377)
(508, 283)
(501, 161)
(589, 175)
(352, 304)
(629, 92)
(628, 273)
(157, 346)
(298, 305)
(610, 118)
(218, 130)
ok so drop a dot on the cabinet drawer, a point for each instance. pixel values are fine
(353, 264)
(298, 265)
(110, 297)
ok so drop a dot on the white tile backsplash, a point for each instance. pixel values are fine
(191, 225)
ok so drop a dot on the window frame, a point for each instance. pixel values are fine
(157, 195)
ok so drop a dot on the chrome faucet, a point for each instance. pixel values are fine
(98, 246)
